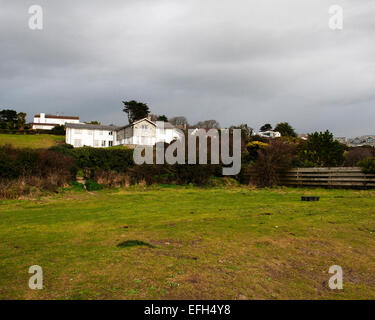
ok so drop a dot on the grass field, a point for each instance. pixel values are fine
(31, 141)
(189, 243)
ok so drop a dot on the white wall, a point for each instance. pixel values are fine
(167, 135)
(53, 121)
(90, 138)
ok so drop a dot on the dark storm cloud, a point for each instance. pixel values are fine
(238, 62)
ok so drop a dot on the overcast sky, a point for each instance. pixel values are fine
(242, 61)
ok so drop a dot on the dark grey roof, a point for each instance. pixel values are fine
(90, 126)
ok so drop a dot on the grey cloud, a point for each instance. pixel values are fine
(241, 62)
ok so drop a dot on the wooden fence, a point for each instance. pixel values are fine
(328, 177)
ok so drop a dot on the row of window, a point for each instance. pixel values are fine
(97, 143)
(91, 132)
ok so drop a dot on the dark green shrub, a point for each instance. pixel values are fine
(97, 158)
(58, 130)
(321, 150)
(92, 185)
(367, 165)
(77, 186)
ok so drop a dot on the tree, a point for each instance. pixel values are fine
(58, 130)
(179, 121)
(207, 124)
(8, 119)
(135, 110)
(266, 127)
(21, 120)
(321, 150)
(155, 117)
(162, 118)
(246, 132)
(93, 122)
(285, 129)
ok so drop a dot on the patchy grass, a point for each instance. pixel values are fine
(234, 243)
(31, 141)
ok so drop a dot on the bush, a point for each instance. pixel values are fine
(321, 150)
(271, 162)
(15, 163)
(25, 170)
(107, 159)
(76, 186)
(357, 154)
(368, 165)
(92, 185)
(58, 130)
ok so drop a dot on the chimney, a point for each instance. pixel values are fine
(42, 118)
(149, 117)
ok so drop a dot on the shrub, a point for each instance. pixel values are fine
(368, 165)
(271, 162)
(58, 130)
(357, 154)
(108, 159)
(112, 178)
(25, 170)
(321, 150)
(92, 185)
(76, 186)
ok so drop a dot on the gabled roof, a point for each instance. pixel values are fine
(167, 125)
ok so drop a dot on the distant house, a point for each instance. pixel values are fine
(361, 141)
(47, 121)
(269, 134)
(342, 140)
(303, 136)
(141, 132)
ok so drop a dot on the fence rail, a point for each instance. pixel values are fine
(328, 177)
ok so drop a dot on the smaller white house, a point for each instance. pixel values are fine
(47, 121)
(269, 134)
(91, 135)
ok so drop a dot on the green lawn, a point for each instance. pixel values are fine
(31, 141)
(189, 243)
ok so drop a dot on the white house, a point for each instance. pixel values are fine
(92, 135)
(48, 121)
(146, 132)
(141, 132)
(269, 134)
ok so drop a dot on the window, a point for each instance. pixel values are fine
(110, 143)
(89, 132)
(103, 143)
(96, 143)
(110, 133)
(77, 142)
(144, 127)
(101, 132)
(77, 131)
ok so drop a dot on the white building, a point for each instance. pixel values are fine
(269, 134)
(141, 132)
(48, 121)
(91, 135)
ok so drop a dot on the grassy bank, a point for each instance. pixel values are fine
(178, 243)
(31, 141)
